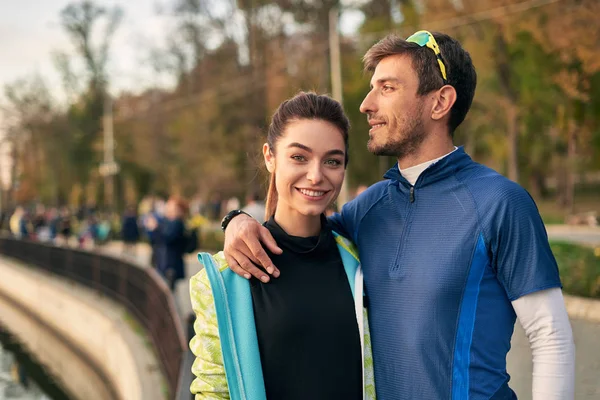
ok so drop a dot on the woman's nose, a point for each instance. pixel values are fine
(315, 173)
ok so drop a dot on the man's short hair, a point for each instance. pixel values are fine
(459, 69)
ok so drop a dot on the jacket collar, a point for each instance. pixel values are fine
(435, 172)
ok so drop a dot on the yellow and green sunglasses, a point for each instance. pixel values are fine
(425, 38)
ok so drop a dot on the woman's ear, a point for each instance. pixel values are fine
(269, 158)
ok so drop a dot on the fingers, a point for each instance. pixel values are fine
(234, 266)
(244, 252)
(267, 239)
(244, 267)
(263, 259)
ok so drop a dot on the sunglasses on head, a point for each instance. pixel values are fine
(426, 39)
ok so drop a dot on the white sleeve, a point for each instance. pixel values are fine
(544, 318)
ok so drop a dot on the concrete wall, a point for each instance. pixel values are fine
(76, 376)
(93, 324)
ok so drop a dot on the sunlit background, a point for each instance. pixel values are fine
(106, 105)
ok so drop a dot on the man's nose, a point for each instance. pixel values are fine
(368, 104)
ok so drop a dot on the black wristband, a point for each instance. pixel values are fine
(230, 215)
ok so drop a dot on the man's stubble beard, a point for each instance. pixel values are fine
(403, 143)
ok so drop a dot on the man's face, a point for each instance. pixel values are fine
(393, 108)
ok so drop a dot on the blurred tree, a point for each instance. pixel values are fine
(37, 135)
(79, 20)
(535, 116)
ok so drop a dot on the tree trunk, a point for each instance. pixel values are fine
(569, 201)
(512, 116)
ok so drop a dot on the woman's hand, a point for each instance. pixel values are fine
(243, 250)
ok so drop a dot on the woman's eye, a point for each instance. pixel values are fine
(298, 158)
(333, 163)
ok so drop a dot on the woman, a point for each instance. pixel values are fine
(298, 337)
(169, 235)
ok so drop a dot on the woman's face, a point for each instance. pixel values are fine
(308, 162)
(172, 210)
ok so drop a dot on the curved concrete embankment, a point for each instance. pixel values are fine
(82, 338)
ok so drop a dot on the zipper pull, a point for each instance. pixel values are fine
(412, 194)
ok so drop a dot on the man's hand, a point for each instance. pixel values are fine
(243, 249)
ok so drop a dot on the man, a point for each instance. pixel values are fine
(452, 252)
(130, 231)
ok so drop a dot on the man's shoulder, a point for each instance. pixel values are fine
(373, 193)
(487, 185)
(499, 201)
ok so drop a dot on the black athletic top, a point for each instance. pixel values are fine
(307, 329)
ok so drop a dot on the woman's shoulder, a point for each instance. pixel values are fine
(217, 259)
(346, 244)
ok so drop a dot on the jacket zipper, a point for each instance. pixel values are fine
(406, 229)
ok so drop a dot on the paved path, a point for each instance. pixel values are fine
(577, 234)
(587, 373)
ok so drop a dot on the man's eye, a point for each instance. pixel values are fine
(387, 88)
(333, 162)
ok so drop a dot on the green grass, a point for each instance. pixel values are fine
(579, 268)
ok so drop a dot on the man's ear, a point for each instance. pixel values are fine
(269, 158)
(443, 102)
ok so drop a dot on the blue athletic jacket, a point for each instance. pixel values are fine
(442, 261)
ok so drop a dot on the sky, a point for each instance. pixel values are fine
(30, 33)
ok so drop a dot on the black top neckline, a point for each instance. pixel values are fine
(301, 245)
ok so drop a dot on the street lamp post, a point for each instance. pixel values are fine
(109, 168)
(336, 79)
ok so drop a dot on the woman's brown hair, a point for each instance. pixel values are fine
(304, 105)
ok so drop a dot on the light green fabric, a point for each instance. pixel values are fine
(210, 381)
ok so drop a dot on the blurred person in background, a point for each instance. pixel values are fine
(171, 240)
(107, 223)
(255, 207)
(39, 223)
(233, 203)
(15, 221)
(25, 228)
(214, 207)
(65, 227)
(130, 232)
(300, 338)
(149, 218)
(88, 232)
(360, 189)
(53, 223)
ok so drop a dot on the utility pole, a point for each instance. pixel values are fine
(109, 167)
(336, 78)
